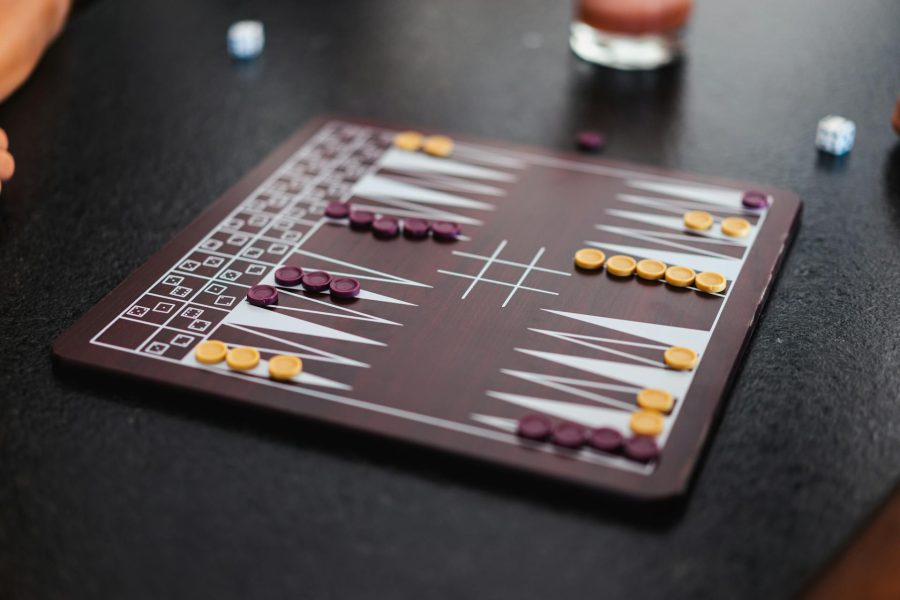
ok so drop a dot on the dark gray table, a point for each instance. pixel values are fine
(137, 119)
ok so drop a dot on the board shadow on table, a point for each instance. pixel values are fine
(379, 452)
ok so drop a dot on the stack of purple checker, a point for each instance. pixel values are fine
(590, 141)
(344, 287)
(288, 276)
(386, 228)
(262, 295)
(445, 231)
(755, 200)
(337, 210)
(572, 436)
(312, 281)
(416, 229)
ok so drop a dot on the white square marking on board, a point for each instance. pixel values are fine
(189, 266)
(191, 312)
(137, 311)
(198, 325)
(173, 280)
(237, 240)
(214, 261)
(291, 236)
(183, 341)
(224, 300)
(255, 269)
(282, 225)
(258, 220)
(211, 244)
(277, 249)
(181, 292)
(253, 252)
(230, 275)
(234, 223)
(216, 289)
(157, 348)
(163, 307)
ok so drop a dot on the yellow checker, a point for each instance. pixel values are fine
(710, 281)
(408, 140)
(621, 265)
(210, 352)
(698, 220)
(284, 367)
(646, 422)
(680, 276)
(651, 269)
(680, 358)
(243, 358)
(735, 227)
(655, 399)
(589, 258)
(438, 145)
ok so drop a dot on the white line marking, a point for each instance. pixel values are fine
(484, 269)
(521, 287)
(525, 273)
(596, 339)
(511, 263)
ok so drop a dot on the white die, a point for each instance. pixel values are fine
(246, 39)
(835, 135)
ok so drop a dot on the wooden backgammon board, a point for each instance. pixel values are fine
(450, 343)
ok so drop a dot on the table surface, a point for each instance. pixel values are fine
(137, 119)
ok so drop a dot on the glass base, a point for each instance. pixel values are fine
(623, 51)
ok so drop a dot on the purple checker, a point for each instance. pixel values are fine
(416, 228)
(641, 448)
(316, 281)
(569, 435)
(606, 439)
(361, 220)
(262, 295)
(445, 230)
(337, 210)
(386, 227)
(534, 426)
(755, 200)
(590, 141)
(288, 275)
(344, 287)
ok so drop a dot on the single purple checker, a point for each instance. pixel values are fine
(445, 230)
(569, 435)
(262, 295)
(534, 426)
(344, 287)
(416, 228)
(386, 227)
(641, 448)
(337, 210)
(755, 200)
(606, 439)
(361, 220)
(590, 141)
(288, 275)
(316, 281)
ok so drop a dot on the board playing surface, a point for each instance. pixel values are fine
(449, 344)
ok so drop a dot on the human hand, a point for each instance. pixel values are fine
(26, 29)
(7, 164)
